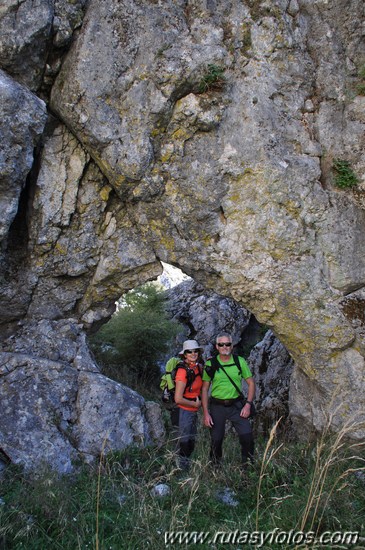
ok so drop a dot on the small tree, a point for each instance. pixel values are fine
(130, 346)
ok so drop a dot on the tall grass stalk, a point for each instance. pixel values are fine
(265, 461)
(343, 476)
(327, 455)
(102, 453)
(194, 483)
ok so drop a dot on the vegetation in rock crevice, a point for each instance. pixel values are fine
(213, 79)
(129, 347)
(360, 86)
(345, 177)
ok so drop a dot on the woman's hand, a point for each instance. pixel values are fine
(197, 403)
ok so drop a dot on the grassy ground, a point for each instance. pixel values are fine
(301, 487)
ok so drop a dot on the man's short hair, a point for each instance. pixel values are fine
(223, 335)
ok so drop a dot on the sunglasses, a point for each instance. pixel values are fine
(227, 344)
(191, 351)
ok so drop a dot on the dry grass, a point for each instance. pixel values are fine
(291, 486)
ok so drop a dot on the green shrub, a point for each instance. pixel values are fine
(130, 346)
(345, 177)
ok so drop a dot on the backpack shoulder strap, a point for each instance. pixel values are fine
(214, 362)
(190, 374)
(179, 365)
(213, 367)
(238, 364)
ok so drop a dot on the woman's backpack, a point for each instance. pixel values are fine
(167, 383)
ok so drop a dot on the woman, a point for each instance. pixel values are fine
(188, 384)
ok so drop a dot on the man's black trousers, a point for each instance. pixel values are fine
(220, 414)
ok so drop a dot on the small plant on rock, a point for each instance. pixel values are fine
(345, 177)
(213, 79)
(360, 87)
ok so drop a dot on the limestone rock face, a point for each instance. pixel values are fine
(33, 36)
(271, 367)
(204, 314)
(57, 407)
(22, 121)
(199, 134)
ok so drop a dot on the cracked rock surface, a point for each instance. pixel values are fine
(200, 134)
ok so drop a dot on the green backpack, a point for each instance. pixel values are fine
(167, 383)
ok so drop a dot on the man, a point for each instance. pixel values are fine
(226, 403)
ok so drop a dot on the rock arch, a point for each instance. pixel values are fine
(143, 156)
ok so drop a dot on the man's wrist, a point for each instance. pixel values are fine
(249, 402)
